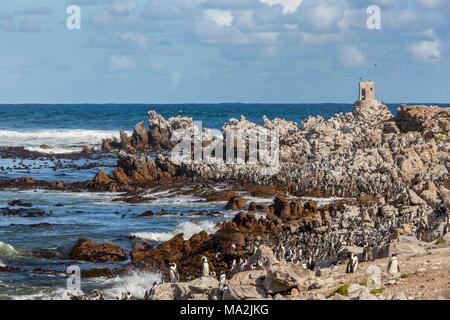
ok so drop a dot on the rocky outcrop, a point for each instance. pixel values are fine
(366, 152)
(236, 203)
(432, 121)
(86, 250)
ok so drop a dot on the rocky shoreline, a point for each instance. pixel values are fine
(389, 174)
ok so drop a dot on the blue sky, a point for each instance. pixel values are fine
(176, 51)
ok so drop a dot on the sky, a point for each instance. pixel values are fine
(196, 51)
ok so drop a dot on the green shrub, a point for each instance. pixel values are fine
(377, 291)
(343, 290)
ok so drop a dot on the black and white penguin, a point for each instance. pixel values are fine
(222, 280)
(352, 265)
(173, 273)
(98, 296)
(393, 267)
(242, 264)
(127, 296)
(205, 267)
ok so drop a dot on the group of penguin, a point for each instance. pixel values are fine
(392, 268)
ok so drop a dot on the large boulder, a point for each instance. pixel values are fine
(170, 291)
(252, 278)
(203, 284)
(236, 203)
(405, 246)
(284, 277)
(86, 250)
(244, 292)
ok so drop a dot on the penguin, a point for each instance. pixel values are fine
(205, 267)
(98, 296)
(222, 280)
(393, 267)
(352, 265)
(173, 273)
(311, 264)
(126, 296)
(242, 264)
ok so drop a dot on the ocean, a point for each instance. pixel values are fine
(70, 216)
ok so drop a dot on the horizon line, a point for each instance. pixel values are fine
(208, 103)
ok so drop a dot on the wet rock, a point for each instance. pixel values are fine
(252, 207)
(22, 212)
(8, 269)
(236, 203)
(86, 250)
(20, 203)
(47, 253)
(99, 273)
(282, 207)
(220, 196)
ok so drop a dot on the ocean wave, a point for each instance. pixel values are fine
(2, 265)
(187, 228)
(7, 249)
(136, 282)
(58, 141)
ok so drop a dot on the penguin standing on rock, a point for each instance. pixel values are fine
(205, 267)
(393, 267)
(173, 273)
(222, 280)
(352, 265)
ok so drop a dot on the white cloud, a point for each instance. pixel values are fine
(351, 57)
(120, 63)
(223, 18)
(431, 3)
(289, 6)
(324, 15)
(427, 51)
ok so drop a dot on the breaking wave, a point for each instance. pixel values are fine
(7, 249)
(55, 141)
(136, 282)
(187, 228)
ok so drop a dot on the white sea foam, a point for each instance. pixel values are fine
(187, 228)
(136, 282)
(2, 264)
(7, 249)
(58, 141)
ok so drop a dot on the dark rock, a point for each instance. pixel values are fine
(236, 203)
(22, 212)
(19, 203)
(100, 273)
(86, 250)
(252, 207)
(140, 137)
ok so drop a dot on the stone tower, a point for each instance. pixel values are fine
(366, 91)
(367, 108)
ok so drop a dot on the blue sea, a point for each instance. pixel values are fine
(96, 216)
